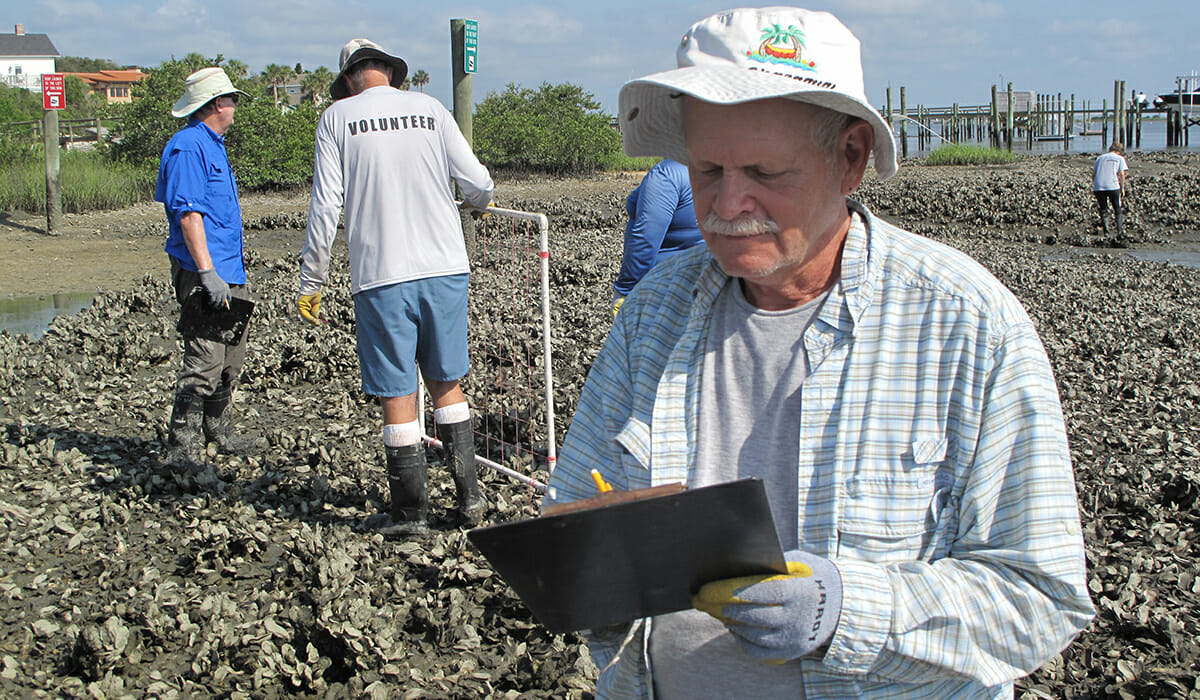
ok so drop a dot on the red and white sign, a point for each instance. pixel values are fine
(54, 91)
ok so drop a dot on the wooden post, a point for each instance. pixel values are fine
(1029, 125)
(1104, 124)
(462, 109)
(1008, 126)
(994, 122)
(903, 123)
(462, 79)
(891, 124)
(954, 136)
(1118, 125)
(53, 179)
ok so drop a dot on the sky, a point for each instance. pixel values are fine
(941, 51)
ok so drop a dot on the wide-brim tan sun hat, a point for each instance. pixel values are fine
(358, 50)
(202, 86)
(752, 54)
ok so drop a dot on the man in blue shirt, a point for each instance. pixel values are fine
(199, 194)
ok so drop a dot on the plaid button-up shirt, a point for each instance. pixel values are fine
(933, 470)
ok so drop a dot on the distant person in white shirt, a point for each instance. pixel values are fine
(388, 156)
(1108, 183)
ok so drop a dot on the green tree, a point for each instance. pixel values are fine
(268, 148)
(316, 85)
(19, 104)
(77, 64)
(82, 103)
(555, 129)
(419, 80)
(236, 69)
(276, 75)
(148, 123)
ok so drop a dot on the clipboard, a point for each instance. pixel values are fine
(615, 559)
(199, 319)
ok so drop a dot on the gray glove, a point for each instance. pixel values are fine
(218, 292)
(779, 617)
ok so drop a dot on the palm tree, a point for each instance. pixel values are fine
(237, 69)
(275, 76)
(782, 43)
(420, 79)
(316, 85)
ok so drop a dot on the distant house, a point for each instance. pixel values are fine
(25, 58)
(114, 85)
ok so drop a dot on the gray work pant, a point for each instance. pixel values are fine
(207, 364)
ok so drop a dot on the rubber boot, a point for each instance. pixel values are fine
(185, 441)
(1119, 215)
(218, 423)
(459, 456)
(408, 482)
(1104, 219)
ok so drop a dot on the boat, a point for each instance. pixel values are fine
(1169, 99)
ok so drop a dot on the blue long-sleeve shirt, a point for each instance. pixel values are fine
(661, 222)
(195, 175)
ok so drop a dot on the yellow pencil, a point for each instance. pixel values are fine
(601, 485)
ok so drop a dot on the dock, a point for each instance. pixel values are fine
(1015, 116)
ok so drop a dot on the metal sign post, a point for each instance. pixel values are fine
(54, 98)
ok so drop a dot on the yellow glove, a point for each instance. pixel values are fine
(617, 305)
(476, 214)
(310, 308)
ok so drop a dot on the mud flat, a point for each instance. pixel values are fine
(248, 576)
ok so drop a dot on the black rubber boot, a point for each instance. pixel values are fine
(218, 423)
(185, 441)
(408, 482)
(459, 456)
(1104, 219)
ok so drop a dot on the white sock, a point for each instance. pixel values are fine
(402, 434)
(454, 413)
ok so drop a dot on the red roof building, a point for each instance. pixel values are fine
(113, 84)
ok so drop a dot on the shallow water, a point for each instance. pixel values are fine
(33, 314)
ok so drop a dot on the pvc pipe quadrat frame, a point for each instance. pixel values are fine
(543, 226)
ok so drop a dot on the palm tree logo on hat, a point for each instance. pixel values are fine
(781, 45)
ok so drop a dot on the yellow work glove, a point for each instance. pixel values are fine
(617, 305)
(476, 214)
(310, 308)
(778, 617)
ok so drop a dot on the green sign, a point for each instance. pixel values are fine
(470, 45)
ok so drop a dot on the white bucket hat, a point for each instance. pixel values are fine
(753, 54)
(202, 86)
(358, 50)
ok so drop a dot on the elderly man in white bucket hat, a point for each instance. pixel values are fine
(388, 156)
(891, 394)
(204, 244)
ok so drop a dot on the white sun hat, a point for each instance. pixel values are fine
(202, 86)
(753, 54)
(359, 50)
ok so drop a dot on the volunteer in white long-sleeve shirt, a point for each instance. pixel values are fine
(387, 157)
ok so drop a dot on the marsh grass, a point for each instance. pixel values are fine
(960, 154)
(626, 163)
(90, 182)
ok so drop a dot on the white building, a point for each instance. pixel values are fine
(24, 58)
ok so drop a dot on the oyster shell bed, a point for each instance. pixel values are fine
(248, 577)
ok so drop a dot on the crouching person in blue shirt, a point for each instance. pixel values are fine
(199, 194)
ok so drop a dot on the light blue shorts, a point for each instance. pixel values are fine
(400, 327)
